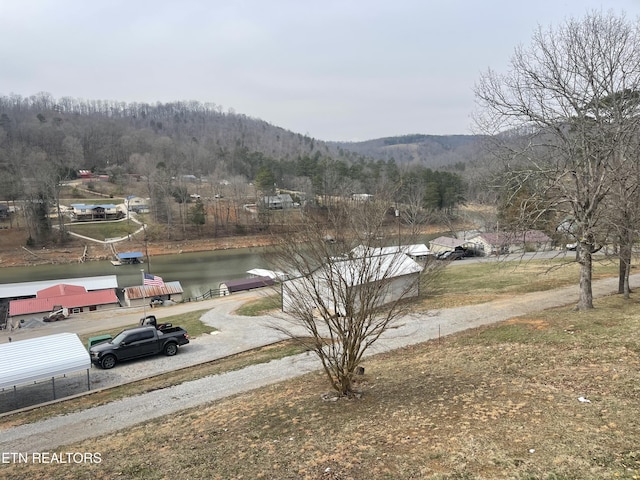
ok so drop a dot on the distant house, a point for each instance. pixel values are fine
(278, 202)
(85, 174)
(82, 212)
(448, 244)
(499, 243)
(137, 204)
(76, 298)
(361, 197)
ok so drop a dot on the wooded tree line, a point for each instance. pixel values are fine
(45, 141)
(564, 126)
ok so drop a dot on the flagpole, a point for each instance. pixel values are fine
(144, 301)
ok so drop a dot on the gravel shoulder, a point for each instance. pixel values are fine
(241, 333)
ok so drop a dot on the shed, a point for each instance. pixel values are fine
(42, 358)
(137, 296)
(243, 284)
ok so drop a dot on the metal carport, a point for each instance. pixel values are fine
(42, 358)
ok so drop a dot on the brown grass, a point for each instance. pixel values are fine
(497, 402)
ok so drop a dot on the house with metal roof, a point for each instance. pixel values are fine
(447, 244)
(136, 204)
(499, 243)
(107, 211)
(76, 298)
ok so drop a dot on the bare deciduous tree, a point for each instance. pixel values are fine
(346, 292)
(561, 101)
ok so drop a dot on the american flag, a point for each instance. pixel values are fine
(149, 279)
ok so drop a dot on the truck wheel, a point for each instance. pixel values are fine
(108, 361)
(170, 349)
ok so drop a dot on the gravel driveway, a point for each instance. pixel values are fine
(240, 333)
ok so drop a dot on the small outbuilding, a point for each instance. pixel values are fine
(243, 284)
(139, 296)
(42, 358)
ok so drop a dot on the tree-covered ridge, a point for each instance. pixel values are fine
(449, 152)
(164, 144)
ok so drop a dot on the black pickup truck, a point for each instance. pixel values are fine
(139, 342)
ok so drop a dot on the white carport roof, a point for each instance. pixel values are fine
(416, 250)
(41, 358)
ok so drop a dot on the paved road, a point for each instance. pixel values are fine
(416, 328)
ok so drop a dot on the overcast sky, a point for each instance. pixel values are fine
(334, 70)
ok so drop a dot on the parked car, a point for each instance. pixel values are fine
(138, 342)
(155, 301)
(451, 255)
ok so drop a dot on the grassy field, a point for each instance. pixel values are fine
(102, 231)
(548, 396)
(470, 283)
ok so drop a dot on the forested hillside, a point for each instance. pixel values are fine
(433, 151)
(45, 141)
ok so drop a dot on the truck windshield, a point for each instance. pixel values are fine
(117, 340)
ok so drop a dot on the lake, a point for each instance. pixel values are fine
(197, 272)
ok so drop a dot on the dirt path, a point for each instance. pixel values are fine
(58, 431)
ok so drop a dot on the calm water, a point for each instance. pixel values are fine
(197, 272)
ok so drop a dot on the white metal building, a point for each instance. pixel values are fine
(399, 273)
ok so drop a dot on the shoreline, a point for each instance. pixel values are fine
(80, 252)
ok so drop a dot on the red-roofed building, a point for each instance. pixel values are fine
(73, 297)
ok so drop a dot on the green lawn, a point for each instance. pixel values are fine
(104, 230)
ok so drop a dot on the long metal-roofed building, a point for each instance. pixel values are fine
(30, 289)
(243, 284)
